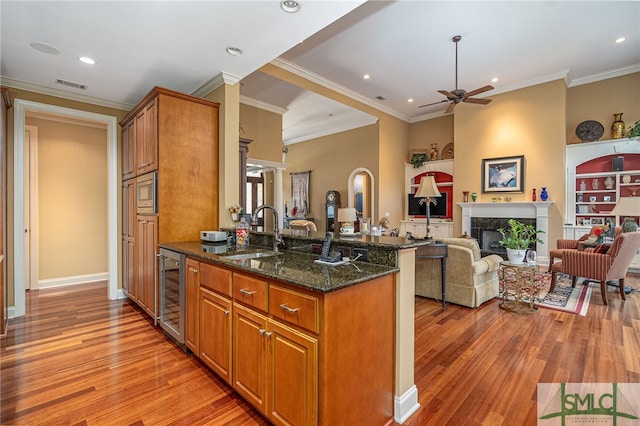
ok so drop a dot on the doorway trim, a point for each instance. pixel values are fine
(351, 191)
(20, 109)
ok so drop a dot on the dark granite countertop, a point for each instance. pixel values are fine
(292, 267)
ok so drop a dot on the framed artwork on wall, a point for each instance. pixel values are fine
(504, 174)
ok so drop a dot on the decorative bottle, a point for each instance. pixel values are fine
(617, 127)
(543, 194)
(242, 234)
(583, 185)
(434, 151)
(534, 197)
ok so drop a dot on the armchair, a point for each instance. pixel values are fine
(603, 267)
(471, 279)
(563, 244)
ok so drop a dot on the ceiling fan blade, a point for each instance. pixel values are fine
(447, 94)
(434, 103)
(450, 108)
(478, 91)
(477, 101)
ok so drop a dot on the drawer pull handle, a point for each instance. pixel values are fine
(226, 313)
(268, 334)
(288, 309)
(194, 270)
(261, 332)
(247, 292)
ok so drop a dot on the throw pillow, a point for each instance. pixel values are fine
(602, 248)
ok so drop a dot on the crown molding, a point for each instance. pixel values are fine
(315, 78)
(262, 105)
(214, 83)
(604, 76)
(36, 88)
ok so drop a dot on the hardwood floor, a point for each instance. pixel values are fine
(79, 359)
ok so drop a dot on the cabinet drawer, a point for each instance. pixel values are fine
(250, 291)
(294, 307)
(216, 279)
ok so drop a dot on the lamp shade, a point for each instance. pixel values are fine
(347, 214)
(628, 206)
(428, 188)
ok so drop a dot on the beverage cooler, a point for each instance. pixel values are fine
(172, 294)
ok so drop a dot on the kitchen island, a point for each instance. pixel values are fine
(307, 343)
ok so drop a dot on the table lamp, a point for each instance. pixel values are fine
(629, 207)
(427, 190)
(346, 218)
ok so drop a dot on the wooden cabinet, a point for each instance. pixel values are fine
(275, 368)
(146, 279)
(146, 142)
(216, 332)
(192, 305)
(177, 135)
(418, 228)
(129, 225)
(129, 151)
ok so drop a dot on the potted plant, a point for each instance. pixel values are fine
(634, 131)
(517, 238)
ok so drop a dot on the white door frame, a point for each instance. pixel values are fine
(20, 107)
(31, 183)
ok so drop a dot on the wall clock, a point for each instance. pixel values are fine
(332, 204)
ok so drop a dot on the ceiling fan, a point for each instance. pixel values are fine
(460, 95)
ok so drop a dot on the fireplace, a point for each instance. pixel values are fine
(491, 216)
(485, 230)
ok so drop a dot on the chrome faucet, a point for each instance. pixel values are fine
(277, 238)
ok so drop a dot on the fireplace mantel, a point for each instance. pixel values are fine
(514, 209)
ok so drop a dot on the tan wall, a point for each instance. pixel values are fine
(437, 130)
(389, 185)
(331, 160)
(264, 128)
(599, 101)
(529, 122)
(72, 197)
(50, 100)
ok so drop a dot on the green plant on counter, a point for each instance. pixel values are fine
(634, 131)
(519, 236)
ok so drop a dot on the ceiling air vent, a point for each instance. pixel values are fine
(381, 98)
(71, 84)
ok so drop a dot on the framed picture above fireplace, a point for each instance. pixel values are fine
(504, 174)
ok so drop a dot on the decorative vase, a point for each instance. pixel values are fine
(608, 183)
(533, 196)
(595, 184)
(474, 197)
(583, 185)
(626, 179)
(516, 256)
(465, 196)
(629, 225)
(617, 127)
(434, 150)
(543, 194)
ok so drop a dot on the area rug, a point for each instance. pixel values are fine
(567, 299)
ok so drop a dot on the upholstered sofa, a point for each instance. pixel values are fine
(471, 279)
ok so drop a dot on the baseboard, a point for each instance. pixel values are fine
(11, 312)
(121, 294)
(405, 405)
(77, 279)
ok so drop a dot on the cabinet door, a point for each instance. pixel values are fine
(192, 308)
(129, 150)
(146, 153)
(129, 224)
(249, 362)
(292, 376)
(146, 242)
(215, 333)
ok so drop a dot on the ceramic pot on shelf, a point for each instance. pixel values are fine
(544, 195)
(608, 183)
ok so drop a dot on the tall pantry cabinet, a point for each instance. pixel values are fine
(176, 136)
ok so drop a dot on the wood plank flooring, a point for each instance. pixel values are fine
(78, 359)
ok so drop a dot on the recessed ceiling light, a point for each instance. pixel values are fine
(366, 76)
(234, 51)
(410, 100)
(494, 79)
(45, 48)
(620, 39)
(86, 60)
(290, 6)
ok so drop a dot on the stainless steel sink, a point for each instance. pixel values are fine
(253, 255)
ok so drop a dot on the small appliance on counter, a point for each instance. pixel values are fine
(214, 248)
(213, 236)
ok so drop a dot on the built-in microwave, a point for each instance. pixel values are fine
(146, 193)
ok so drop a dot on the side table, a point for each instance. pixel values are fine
(436, 251)
(520, 285)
